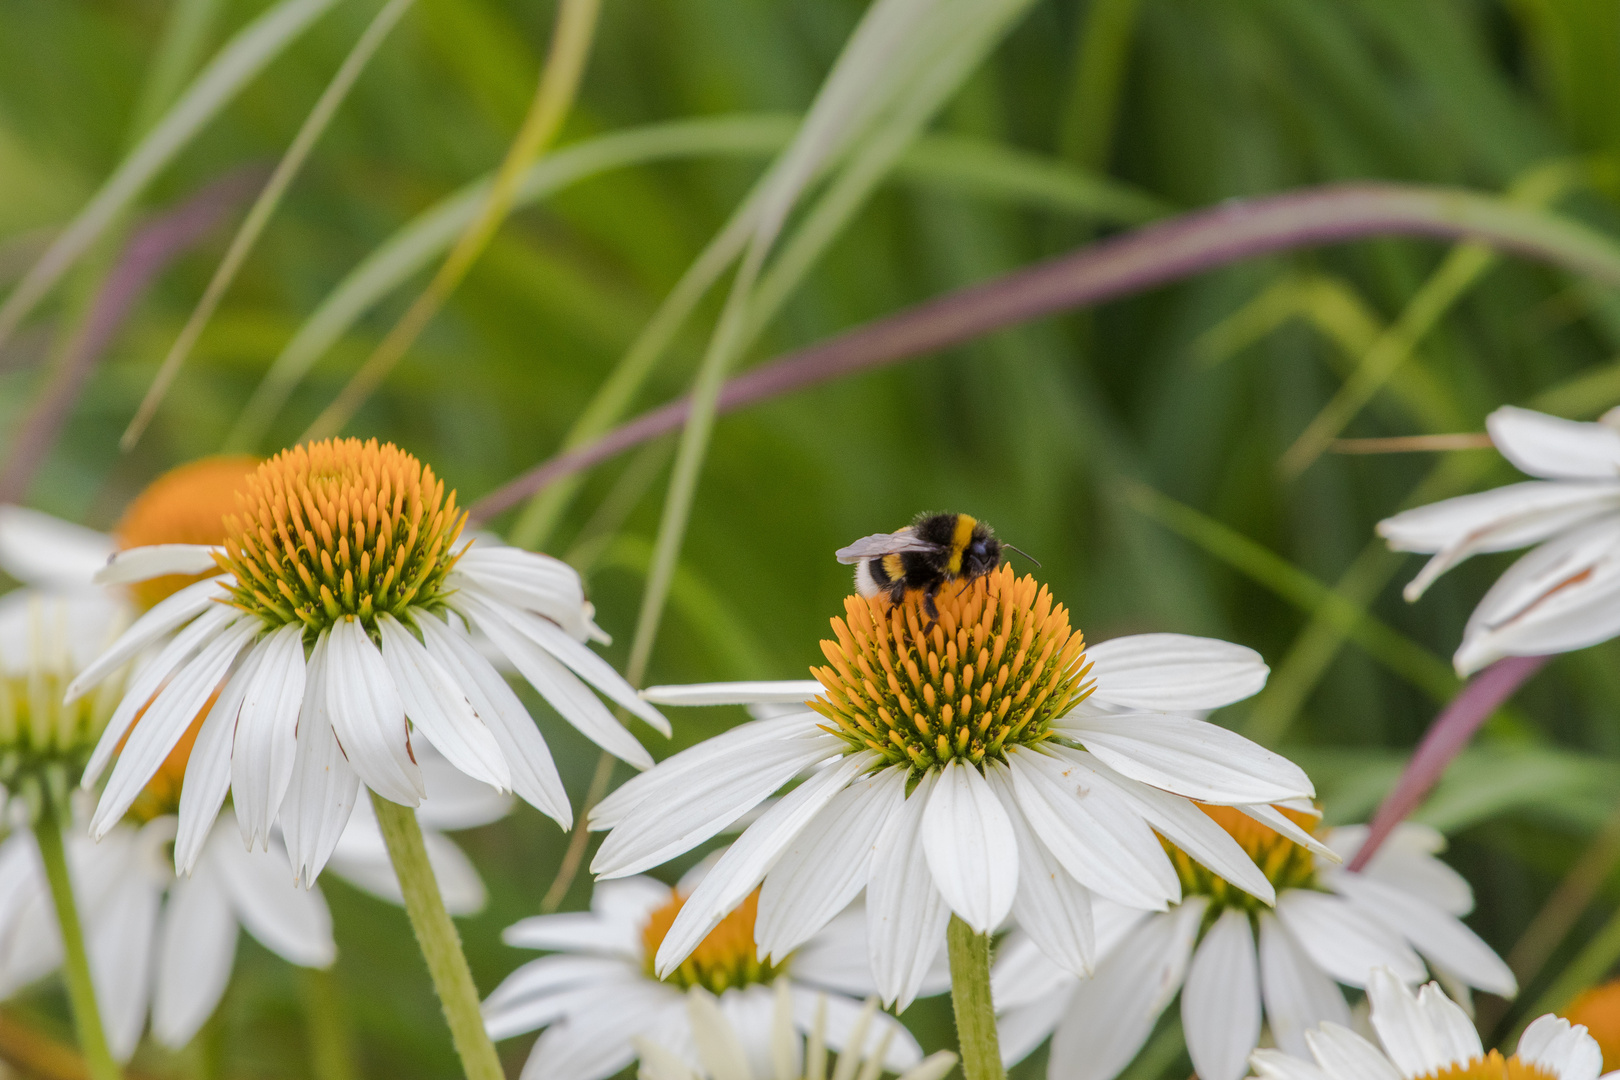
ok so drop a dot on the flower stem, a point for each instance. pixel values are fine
(437, 937)
(970, 997)
(98, 1058)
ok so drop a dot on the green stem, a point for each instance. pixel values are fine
(970, 997)
(437, 937)
(76, 963)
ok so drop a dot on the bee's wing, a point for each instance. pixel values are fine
(880, 544)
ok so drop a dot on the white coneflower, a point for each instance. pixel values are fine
(1562, 595)
(597, 993)
(1426, 1036)
(1235, 963)
(984, 765)
(766, 1045)
(335, 614)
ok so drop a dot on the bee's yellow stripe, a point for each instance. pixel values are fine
(894, 567)
(959, 542)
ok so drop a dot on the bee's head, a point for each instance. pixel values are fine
(982, 554)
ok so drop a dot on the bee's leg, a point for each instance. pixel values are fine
(897, 593)
(929, 609)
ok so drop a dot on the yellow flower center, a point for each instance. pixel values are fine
(340, 528)
(186, 505)
(725, 959)
(1599, 1009)
(1286, 864)
(995, 670)
(1493, 1066)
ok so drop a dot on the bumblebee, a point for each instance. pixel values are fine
(925, 556)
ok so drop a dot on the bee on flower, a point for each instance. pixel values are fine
(1238, 965)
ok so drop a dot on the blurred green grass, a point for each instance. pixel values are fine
(1043, 431)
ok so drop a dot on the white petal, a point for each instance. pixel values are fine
(746, 862)
(1298, 994)
(1190, 757)
(41, 550)
(1437, 935)
(1174, 672)
(120, 945)
(324, 790)
(196, 951)
(156, 560)
(1021, 1030)
(1554, 448)
(208, 771)
(455, 800)
(368, 716)
(561, 688)
(1347, 1056)
(826, 865)
(574, 931)
(1419, 1035)
(1220, 1005)
(166, 720)
(1342, 941)
(906, 915)
(439, 708)
(1051, 907)
(882, 1030)
(529, 579)
(166, 616)
(459, 884)
(291, 922)
(534, 774)
(1111, 1015)
(1564, 1050)
(784, 692)
(1283, 825)
(971, 848)
(267, 733)
(693, 795)
(1095, 832)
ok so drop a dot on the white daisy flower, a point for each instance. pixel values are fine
(958, 768)
(158, 945)
(1426, 1036)
(725, 1049)
(596, 993)
(334, 630)
(1562, 595)
(1234, 962)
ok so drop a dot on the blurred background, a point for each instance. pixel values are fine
(1148, 453)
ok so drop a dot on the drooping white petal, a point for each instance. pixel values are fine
(324, 790)
(291, 922)
(971, 848)
(1441, 938)
(119, 942)
(781, 692)
(827, 864)
(561, 688)
(906, 915)
(1283, 825)
(166, 616)
(1189, 757)
(1174, 672)
(1554, 448)
(439, 708)
(1220, 1004)
(166, 720)
(534, 774)
(1051, 907)
(1342, 941)
(1298, 994)
(196, 952)
(267, 733)
(746, 862)
(1094, 832)
(47, 552)
(1111, 1015)
(455, 800)
(698, 792)
(208, 771)
(368, 716)
(156, 560)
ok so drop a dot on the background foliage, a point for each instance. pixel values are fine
(1137, 450)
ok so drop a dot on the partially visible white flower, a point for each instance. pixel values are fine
(723, 1046)
(335, 633)
(1427, 1036)
(1233, 962)
(158, 945)
(959, 768)
(596, 993)
(1563, 595)
(48, 553)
